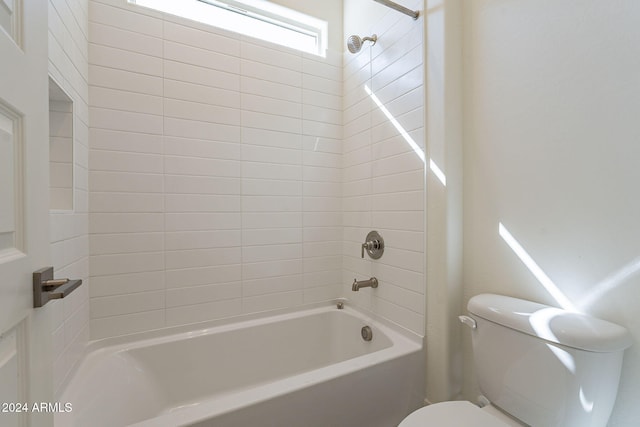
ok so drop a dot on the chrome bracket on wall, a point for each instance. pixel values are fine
(45, 288)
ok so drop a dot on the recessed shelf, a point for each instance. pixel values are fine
(60, 148)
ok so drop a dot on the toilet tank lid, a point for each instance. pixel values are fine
(575, 330)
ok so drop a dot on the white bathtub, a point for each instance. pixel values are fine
(307, 368)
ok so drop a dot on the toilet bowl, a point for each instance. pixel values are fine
(536, 365)
(458, 414)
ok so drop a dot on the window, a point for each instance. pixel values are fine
(255, 18)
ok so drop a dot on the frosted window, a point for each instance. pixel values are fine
(255, 18)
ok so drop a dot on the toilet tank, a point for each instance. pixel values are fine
(546, 366)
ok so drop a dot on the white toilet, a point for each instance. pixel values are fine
(536, 365)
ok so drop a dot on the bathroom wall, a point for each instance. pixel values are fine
(552, 95)
(383, 176)
(68, 66)
(215, 172)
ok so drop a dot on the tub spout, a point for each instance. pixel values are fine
(371, 283)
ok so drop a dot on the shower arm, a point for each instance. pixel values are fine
(412, 13)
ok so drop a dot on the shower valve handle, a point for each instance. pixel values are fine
(374, 245)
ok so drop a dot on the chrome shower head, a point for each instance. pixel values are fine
(354, 43)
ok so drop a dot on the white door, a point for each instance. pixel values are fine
(24, 204)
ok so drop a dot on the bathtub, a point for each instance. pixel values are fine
(308, 368)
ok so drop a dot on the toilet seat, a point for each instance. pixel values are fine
(452, 414)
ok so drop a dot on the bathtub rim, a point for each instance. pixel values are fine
(95, 348)
(240, 321)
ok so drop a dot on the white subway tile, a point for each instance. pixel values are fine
(127, 324)
(203, 312)
(126, 182)
(271, 73)
(259, 153)
(279, 58)
(320, 264)
(270, 89)
(131, 81)
(119, 59)
(181, 240)
(408, 221)
(201, 57)
(271, 171)
(126, 304)
(271, 269)
(262, 103)
(397, 314)
(322, 234)
(321, 249)
(271, 236)
(322, 204)
(176, 203)
(322, 189)
(201, 130)
(202, 257)
(101, 265)
(256, 220)
(271, 138)
(126, 121)
(125, 202)
(101, 244)
(271, 122)
(264, 253)
(202, 276)
(322, 84)
(322, 174)
(183, 184)
(322, 219)
(406, 201)
(125, 101)
(267, 285)
(118, 161)
(200, 221)
(187, 91)
(201, 112)
(263, 187)
(202, 167)
(320, 99)
(321, 293)
(118, 38)
(405, 181)
(207, 40)
(329, 277)
(125, 222)
(271, 204)
(198, 148)
(272, 301)
(123, 18)
(203, 294)
(107, 139)
(195, 74)
(407, 279)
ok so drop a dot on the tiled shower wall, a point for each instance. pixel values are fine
(215, 183)
(383, 184)
(68, 66)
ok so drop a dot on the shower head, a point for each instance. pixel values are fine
(354, 43)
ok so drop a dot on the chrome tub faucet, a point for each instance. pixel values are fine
(371, 283)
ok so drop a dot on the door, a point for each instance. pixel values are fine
(24, 204)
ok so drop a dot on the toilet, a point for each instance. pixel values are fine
(536, 365)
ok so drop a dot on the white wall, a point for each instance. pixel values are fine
(68, 66)
(383, 177)
(552, 97)
(215, 173)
